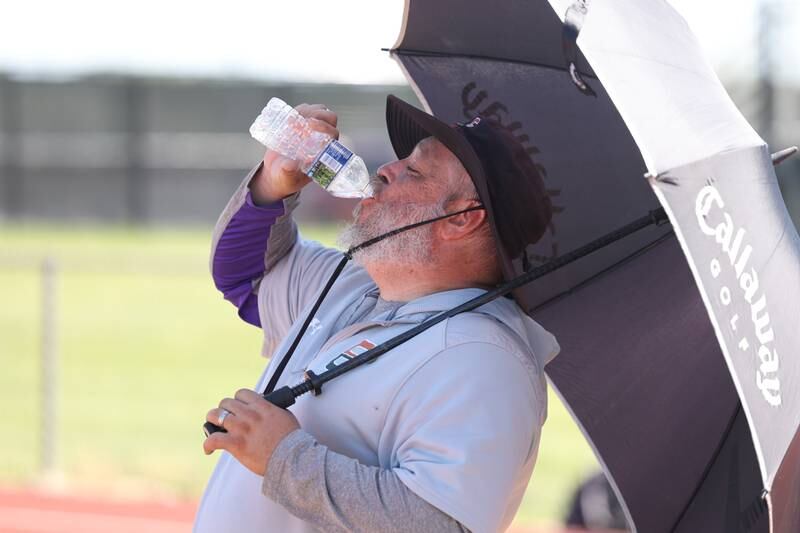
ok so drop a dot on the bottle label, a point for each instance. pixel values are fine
(328, 163)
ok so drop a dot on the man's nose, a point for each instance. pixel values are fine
(387, 172)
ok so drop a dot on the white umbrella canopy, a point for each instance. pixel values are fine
(679, 344)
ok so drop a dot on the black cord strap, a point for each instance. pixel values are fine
(347, 256)
(394, 232)
(282, 397)
(656, 217)
(288, 355)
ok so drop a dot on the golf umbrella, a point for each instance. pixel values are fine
(679, 343)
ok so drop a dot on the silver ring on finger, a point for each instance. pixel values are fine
(223, 415)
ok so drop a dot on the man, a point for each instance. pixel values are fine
(440, 433)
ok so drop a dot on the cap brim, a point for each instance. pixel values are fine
(408, 125)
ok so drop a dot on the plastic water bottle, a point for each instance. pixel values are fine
(323, 159)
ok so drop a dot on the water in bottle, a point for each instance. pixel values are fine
(325, 160)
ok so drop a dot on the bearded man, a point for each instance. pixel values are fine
(440, 433)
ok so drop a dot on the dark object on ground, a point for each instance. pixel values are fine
(595, 506)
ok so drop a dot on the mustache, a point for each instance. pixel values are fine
(376, 183)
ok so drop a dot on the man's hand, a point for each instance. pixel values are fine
(280, 176)
(254, 429)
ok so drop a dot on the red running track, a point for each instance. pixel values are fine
(32, 511)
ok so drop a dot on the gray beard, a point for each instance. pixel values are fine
(412, 247)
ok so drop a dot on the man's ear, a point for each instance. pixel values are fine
(464, 224)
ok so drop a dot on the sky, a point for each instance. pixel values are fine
(295, 40)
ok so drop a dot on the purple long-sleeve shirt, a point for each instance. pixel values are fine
(239, 256)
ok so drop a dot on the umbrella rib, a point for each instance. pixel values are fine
(428, 53)
(709, 465)
(606, 270)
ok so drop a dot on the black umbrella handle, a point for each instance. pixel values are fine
(283, 398)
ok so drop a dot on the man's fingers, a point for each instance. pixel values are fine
(305, 108)
(237, 407)
(290, 166)
(214, 416)
(325, 115)
(324, 127)
(247, 396)
(219, 441)
(318, 112)
(231, 423)
(283, 167)
(286, 170)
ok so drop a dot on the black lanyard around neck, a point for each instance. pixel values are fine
(348, 255)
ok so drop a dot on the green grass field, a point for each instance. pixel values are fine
(146, 347)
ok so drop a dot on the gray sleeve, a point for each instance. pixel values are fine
(333, 492)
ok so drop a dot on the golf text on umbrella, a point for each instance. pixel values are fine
(709, 200)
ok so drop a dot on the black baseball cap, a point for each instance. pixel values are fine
(508, 182)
